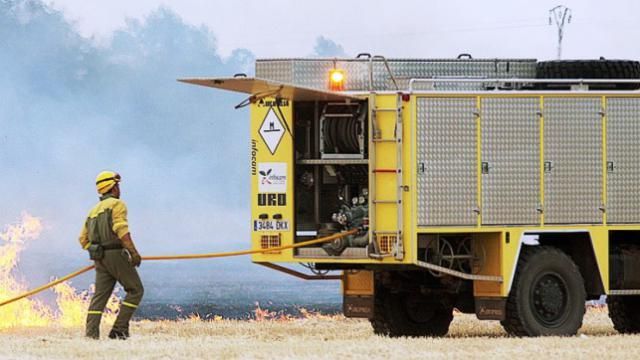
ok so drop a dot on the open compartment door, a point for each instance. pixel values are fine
(261, 88)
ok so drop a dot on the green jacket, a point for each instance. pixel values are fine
(106, 224)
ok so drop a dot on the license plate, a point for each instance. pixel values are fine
(270, 225)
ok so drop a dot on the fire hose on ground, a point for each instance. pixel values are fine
(181, 257)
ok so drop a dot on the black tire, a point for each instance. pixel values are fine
(624, 313)
(590, 69)
(402, 314)
(547, 297)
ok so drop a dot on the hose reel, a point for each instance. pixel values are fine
(343, 130)
(455, 253)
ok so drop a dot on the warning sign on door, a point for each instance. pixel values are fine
(271, 131)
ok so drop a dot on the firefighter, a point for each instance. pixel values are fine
(106, 236)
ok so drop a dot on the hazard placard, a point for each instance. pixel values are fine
(271, 131)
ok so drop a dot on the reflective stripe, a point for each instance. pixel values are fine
(94, 312)
(116, 177)
(129, 305)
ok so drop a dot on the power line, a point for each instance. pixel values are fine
(561, 15)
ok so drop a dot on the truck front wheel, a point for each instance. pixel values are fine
(408, 314)
(547, 296)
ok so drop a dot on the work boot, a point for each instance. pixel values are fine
(119, 335)
(93, 326)
(121, 325)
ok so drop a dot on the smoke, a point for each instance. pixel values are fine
(327, 48)
(71, 108)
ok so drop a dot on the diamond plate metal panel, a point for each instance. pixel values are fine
(573, 152)
(276, 70)
(314, 73)
(511, 152)
(447, 178)
(623, 153)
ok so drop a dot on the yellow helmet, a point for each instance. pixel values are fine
(106, 180)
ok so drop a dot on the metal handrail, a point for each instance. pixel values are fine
(386, 65)
(580, 81)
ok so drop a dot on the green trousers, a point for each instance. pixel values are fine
(114, 267)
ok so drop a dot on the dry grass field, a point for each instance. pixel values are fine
(320, 337)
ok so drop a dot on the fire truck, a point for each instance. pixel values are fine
(508, 188)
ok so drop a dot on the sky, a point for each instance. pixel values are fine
(90, 85)
(410, 28)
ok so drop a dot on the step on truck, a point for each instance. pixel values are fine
(508, 188)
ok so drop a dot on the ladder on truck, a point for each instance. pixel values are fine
(385, 178)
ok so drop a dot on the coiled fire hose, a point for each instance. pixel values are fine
(182, 257)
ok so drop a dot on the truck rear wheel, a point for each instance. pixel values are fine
(414, 315)
(547, 296)
(623, 311)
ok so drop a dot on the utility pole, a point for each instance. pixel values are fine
(561, 15)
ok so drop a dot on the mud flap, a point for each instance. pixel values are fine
(490, 308)
(357, 290)
(358, 306)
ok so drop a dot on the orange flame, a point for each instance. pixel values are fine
(71, 305)
(261, 315)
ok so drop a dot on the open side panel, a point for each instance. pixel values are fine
(260, 88)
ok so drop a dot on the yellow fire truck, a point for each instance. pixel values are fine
(508, 188)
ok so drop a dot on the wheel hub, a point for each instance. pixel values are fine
(549, 299)
(418, 310)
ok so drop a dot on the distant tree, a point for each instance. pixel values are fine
(326, 47)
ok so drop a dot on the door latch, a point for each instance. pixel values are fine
(484, 166)
(610, 166)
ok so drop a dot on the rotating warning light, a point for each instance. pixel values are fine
(336, 80)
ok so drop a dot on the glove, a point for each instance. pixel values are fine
(136, 259)
(134, 256)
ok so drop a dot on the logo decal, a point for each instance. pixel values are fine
(271, 131)
(273, 177)
(254, 156)
(272, 199)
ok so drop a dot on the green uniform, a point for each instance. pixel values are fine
(106, 225)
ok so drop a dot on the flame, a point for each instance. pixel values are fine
(261, 315)
(71, 304)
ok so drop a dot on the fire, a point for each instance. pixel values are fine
(261, 315)
(71, 304)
